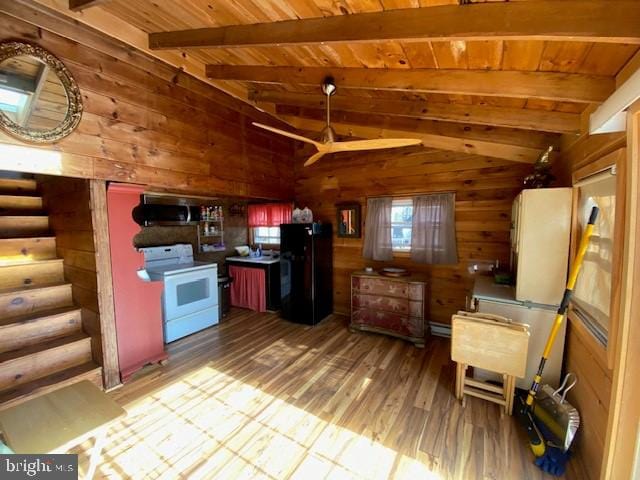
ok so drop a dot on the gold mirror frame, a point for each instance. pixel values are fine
(10, 49)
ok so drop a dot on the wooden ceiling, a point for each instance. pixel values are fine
(523, 65)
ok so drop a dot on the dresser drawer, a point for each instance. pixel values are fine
(389, 322)
(379, 302)
(379, 286)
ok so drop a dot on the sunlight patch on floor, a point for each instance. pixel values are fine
(211, 425)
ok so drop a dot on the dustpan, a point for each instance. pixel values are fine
(558, 416)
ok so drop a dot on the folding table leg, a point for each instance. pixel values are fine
(100, 439)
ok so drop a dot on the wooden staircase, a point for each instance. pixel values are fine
(42, 344)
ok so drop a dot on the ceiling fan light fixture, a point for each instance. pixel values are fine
(328, 143)
(328, 86)
(327, 135)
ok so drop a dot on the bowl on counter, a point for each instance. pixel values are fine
(243, 250)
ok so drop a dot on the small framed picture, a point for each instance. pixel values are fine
(348, 220)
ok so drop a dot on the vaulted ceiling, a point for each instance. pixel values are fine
(466, 75)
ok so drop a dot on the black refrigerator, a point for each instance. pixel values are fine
(306, 272)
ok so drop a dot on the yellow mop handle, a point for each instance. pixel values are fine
(562, 310)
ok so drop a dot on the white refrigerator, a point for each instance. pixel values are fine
(540, 236)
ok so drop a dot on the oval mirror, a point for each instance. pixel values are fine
(40, 101)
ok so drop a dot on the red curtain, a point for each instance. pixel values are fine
(269, 214)
(248, 289)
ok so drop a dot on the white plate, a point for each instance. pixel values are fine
(394, 270)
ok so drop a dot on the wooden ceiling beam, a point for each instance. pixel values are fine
(516, 146)
(569, 87)
(55, 16)
(569, 20)
(79, 5)
(526, 119)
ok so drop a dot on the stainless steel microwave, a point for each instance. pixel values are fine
(167, 210)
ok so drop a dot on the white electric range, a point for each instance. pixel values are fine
(190, 295)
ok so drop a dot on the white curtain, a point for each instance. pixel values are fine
(377, 229)
(433, 232)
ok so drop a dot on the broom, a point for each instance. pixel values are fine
(553, 460)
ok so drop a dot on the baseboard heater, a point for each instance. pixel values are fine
(440, 329)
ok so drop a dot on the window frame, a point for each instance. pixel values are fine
(252, 235)
(617, 160)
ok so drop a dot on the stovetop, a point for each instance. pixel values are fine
(166, 260)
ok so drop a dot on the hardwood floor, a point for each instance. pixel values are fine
(258, 397)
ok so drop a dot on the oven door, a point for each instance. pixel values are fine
(190, 292)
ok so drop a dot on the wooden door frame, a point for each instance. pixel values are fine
(110, 362)
(623, 430)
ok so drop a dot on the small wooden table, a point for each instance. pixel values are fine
(58, 421)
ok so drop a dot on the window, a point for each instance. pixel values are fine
(422, 227)
(401, 222)
(264, 221)
(592, 293)
(266, 235)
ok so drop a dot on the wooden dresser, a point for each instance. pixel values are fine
(391, 305)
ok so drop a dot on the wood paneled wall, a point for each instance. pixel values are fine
(146, 122)
(484, 188)
(591, 395)
(67, 201)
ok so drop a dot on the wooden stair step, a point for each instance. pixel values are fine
(29, 300)
(23, 225)
(20, 203)
(22, 250)
(15, 212)
(38, 272)
(26, 330)
(45, 358)
(86, 371)
(18, 186)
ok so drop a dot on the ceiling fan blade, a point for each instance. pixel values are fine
(373, 144)
(286, 134)
(314, 158)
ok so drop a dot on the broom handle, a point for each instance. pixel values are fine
(562, 309)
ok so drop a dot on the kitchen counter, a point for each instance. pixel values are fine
(486, 288)
(271, 267)
(264, 260)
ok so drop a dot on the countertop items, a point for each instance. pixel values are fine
(302, 216)
(394, 306)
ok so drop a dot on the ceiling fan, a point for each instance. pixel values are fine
(328, 144)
